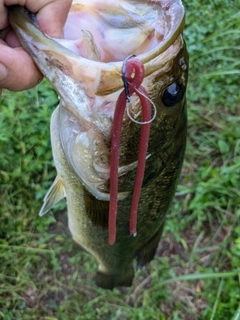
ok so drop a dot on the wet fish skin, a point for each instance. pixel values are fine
(87, 215)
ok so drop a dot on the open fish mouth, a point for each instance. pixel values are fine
(86, 69)
(99, 35)
(109, 31)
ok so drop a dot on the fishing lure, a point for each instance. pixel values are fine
(133, 75)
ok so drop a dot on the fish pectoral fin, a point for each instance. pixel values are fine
(124, 169)
(54, 194)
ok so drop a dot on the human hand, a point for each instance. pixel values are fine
(17, 69)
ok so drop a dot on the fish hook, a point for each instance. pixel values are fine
(132, 75)
(124, 77)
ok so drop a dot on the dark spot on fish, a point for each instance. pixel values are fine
(173, 94)
(150, 205)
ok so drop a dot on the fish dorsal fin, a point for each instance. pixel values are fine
(54, 194)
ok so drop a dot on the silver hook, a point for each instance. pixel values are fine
(123, 74)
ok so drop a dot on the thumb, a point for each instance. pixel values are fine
(17, 69)
(51, 14)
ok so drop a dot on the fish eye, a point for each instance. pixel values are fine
(173, 94)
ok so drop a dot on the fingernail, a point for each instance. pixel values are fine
(3, 72)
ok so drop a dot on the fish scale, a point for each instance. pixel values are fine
(82, 123)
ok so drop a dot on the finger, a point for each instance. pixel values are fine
(10, 38)
(51, 14)
(3, 16)
(52, 18)
(21, 72)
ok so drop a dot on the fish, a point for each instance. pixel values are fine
(116, 211)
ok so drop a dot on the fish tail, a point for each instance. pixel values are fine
(110, 281)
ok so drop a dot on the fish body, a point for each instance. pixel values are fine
(85, 69)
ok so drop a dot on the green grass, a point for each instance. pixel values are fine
(43, 276)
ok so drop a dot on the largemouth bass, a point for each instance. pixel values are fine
(87, 68)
